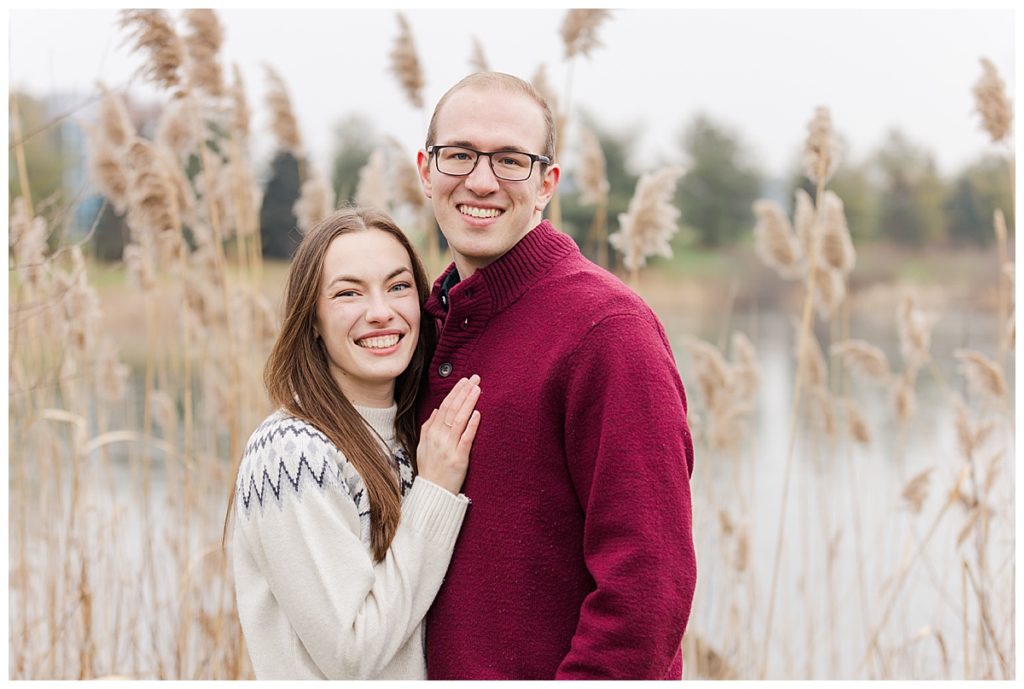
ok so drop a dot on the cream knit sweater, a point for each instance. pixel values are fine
(312, 603)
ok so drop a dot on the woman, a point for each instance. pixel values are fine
(344, 525)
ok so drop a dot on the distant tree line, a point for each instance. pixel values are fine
(895, 194)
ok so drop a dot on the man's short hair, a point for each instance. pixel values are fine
(499, 81)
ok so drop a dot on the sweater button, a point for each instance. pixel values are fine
(465, 323)
(444, 370)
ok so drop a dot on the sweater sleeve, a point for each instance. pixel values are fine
(351, 615)
(630, 456)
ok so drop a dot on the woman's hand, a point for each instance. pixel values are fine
(442, 455)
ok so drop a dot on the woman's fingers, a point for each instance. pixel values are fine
(466, 441)
(455, 400)
(447, 402)
(462, 414)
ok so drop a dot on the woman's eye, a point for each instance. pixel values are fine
(398, 287)
(346, 293)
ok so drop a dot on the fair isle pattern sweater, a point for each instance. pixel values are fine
(577, 558)
(312, 603)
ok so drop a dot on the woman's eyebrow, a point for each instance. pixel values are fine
(350, 278)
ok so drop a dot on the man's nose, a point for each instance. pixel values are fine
(481, 181)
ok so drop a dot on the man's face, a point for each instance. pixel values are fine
(481, 216)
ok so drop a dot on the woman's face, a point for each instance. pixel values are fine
(367, 314)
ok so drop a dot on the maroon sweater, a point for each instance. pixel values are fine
(576, 556)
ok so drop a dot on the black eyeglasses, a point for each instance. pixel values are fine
(511, 166)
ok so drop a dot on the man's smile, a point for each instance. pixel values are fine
(478, 212)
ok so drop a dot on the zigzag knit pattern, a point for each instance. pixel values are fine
(285, 456)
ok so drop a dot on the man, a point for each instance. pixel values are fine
(576, 557)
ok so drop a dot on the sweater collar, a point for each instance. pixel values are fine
(381, 420)
(507, 278)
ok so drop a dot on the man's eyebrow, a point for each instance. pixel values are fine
(469, 144)
(351, 278)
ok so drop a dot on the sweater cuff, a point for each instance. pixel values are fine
(434, 512)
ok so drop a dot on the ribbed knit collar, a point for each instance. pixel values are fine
(382, 420)
(512, 274)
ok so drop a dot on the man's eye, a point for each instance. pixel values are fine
(460, 156)
(509, 161)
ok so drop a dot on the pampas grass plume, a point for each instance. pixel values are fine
(714, 376)
(315, 202)
(153, 33)
(405, 63)
(405, 176)
(903, 398)
(283, 123)
(240, 113)
(745, 368)
(478, 59)
(830, 290)
(970, 435)
(543, 85)
(115, 124)
(856, 424)
(992, 103)
(579, 31)
(153, 213)
(812, 361)
(836, 245)
(864, 357)
(775, 241)
(805, 223)
(374, 186)
(650, 222)
(80, 306)
(984, 376)
(28, 240)
(593, 179)
(108, 172)
(176, 128)
(203, 42)
(915, 491)
(821, 148)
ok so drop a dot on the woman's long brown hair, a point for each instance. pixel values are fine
(298, 378)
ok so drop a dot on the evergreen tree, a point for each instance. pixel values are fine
(912, 194)
(280, 235)
(977, 192)
(719, 186)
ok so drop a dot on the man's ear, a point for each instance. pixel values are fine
(547, 186)
(423, 163)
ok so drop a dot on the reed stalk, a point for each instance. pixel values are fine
(805, 328)
(988, 632)
(904, 570)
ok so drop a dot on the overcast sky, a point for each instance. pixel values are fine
(761, 72)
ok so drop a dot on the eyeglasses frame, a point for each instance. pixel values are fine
(534, 158)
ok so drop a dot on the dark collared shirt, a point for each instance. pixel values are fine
(450, 281)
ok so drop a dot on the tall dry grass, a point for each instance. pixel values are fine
(118, 491)
(947, 510)
(884, 564)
